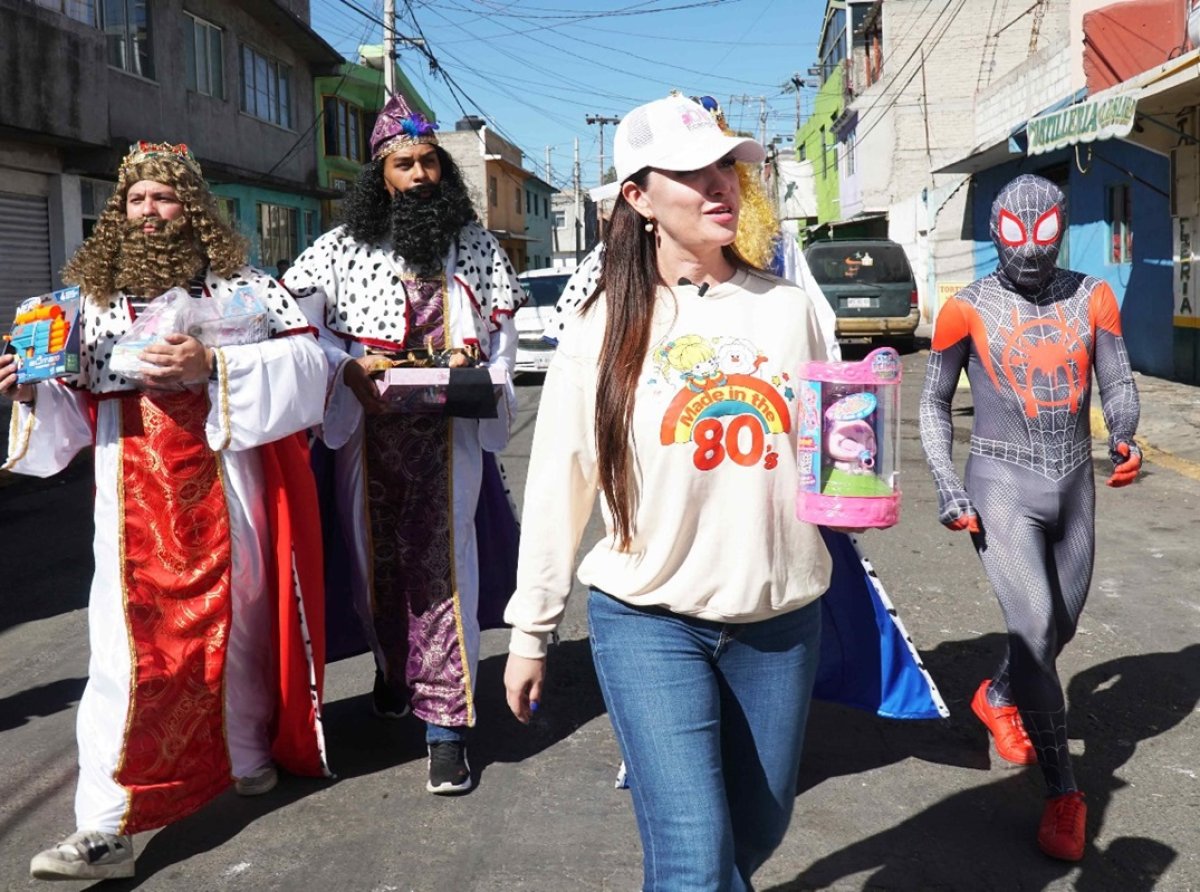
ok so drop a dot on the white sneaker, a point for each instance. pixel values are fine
(85, 855)
(260, 782)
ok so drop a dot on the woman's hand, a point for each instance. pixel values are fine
(179, 361)
(523, 678)
(9, 388)
(357, 376)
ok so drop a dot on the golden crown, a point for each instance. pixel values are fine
(144, 151)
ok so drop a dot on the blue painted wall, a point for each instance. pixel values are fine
(1143, 287)
(248, 199)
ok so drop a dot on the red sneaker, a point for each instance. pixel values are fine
(1064, 824)
(1004, 724)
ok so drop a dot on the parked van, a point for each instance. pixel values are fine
(870, 286)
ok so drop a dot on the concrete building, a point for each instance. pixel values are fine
(491, 166)
(1125, 157)
(575, 228)
(84, 80)
(539, 222)
(913, 71)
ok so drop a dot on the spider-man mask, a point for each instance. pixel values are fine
(1027, 227)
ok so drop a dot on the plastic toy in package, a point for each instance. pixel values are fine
(848, 443)
(45, 336)
(240, 318)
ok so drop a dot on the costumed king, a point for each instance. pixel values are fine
(412, 270)
(201, 674)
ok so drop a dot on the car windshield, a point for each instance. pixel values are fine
(850, 262)
(544, 291)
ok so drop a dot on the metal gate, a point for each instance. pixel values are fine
(24, 251)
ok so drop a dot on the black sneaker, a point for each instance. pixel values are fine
(449, 772)
(384, 701)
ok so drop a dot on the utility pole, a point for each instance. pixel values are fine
(578, 207)
(601, 120)
(549, 173)
(762, 120)
(389, 46)
(794, 85)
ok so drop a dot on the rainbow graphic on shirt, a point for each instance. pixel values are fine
(723, 406)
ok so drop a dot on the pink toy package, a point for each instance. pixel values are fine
(848, 446)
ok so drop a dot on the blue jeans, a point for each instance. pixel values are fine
(710, 719)
(444, 734)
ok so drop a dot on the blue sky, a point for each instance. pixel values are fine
(537, 68)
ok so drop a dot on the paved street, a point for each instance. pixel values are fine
(884, 805)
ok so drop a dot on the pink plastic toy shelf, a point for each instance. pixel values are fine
(848, 442)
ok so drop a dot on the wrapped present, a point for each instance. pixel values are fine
(461, 392)
(240, 318)
(45, 336)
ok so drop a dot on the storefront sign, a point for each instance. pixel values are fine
(1088, 121)
(1187, 308)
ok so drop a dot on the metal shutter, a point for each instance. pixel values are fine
(24, 251)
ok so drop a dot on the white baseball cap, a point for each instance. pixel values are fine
(672, 134)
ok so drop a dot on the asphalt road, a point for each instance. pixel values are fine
(884, 805)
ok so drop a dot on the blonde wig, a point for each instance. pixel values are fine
(206, 239)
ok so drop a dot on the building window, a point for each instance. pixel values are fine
(228, 210)
(1120, 224)
(517, 196)
(310, 227)
(560, 219)
(204, 56)
(528, 202)
(493, 192)
(93, 196)
(126, 25)
(850, 160)
(277, 234)
(344, 131)
(79, 10)
(266, 88)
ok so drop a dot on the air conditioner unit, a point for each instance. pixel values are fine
(1185, 181)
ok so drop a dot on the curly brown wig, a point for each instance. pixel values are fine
(98, 264)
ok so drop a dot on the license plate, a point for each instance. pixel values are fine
(859, 303)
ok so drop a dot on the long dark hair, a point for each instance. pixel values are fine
(629, 282)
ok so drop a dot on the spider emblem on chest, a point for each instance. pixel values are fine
(1047, 361)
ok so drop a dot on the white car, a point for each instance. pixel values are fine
(543, 287)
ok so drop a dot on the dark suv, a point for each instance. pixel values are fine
(870, 286)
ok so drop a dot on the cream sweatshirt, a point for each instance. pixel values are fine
(714, 442)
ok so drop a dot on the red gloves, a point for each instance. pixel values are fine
(969, 522)
(1127, 461)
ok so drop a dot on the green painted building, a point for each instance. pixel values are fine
(816, 142)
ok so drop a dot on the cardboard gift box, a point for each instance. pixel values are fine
(465, 393)
(45, 336)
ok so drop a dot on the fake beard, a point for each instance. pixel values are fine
(425, 222)
(150, 263)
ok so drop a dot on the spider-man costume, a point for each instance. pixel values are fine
(1029, 336)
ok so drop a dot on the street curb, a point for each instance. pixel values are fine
(1150, 452)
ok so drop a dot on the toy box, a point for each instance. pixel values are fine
(848, 443)
(45, 336)
(462, 392)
